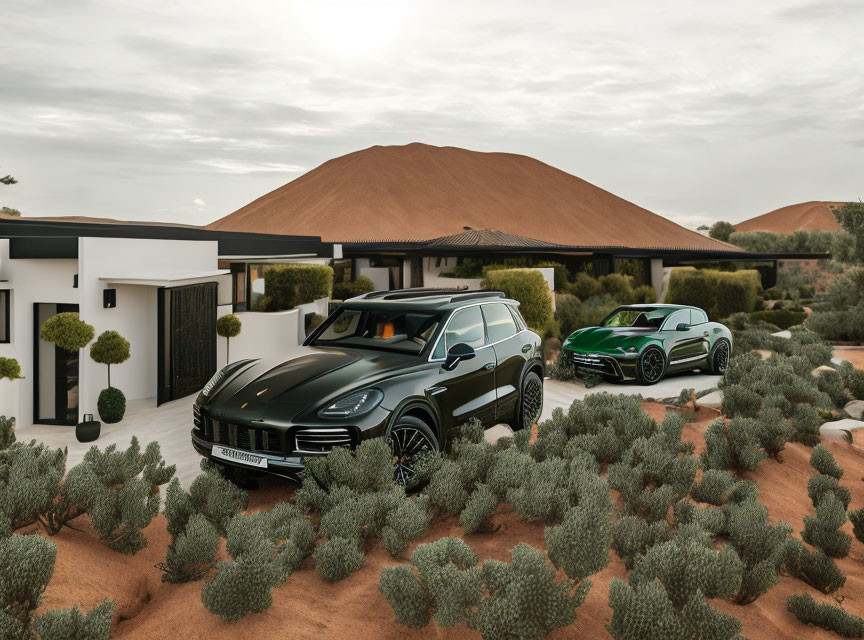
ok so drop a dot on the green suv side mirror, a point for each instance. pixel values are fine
(682, 326)
(457, 353)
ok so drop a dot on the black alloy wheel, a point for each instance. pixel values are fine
(651, 366)
(530, 400)
(720, 359)
(410, 439)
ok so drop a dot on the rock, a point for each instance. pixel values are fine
(713, 400)
(763, 353)
(819, 370)
(783, 334)
(846, 424)
(497, 432)
(855, 409)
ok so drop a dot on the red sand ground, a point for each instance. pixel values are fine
(308, 607)
(805, 216)
(419, 191)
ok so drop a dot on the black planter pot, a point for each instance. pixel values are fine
(88, 430)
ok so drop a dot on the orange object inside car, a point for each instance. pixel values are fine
(387, 331)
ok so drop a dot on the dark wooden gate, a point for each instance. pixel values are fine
(187, 339)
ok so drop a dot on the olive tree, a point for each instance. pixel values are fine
(110, 348)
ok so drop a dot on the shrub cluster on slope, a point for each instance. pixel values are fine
(829, 617)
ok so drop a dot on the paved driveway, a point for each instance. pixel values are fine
(170, 424)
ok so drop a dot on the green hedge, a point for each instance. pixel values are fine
(289, 285)
(529, 288)
(345, 290)
(783, 318)
(719, 293)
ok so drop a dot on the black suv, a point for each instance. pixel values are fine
(412, 365)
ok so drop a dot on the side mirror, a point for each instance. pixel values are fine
(682, 326)
(457, 353)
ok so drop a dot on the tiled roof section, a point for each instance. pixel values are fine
(487, 238)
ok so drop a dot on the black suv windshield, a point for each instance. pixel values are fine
(388, 330)
(638, 318)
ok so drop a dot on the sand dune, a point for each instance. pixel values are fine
(420, 192)
(805, 216)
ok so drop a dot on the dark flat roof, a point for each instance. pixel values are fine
(58, 239)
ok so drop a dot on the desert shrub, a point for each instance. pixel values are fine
(739, 400)
(338, 558)
(562, 369)
(711, 519)
(265, 549)
(819, 485)
(603, 424)
(26, 565)
(823, 461)
(529, 288)
(72, 624)
(118, 489)
(645, 612)
(111, 405)
(843, 324)
(856, 517)
(644, 294)
(713, 487)
(782, 318)
(688, 564)
(826, 616)
(831, 383)
(719, 293)
(823, 530)
(289, 285)
(30, 476)
(735, 445)
(813, 567)
(357, 498)
(806, 421)
(519, 600)
(759, 544)
(853, 379)
(67, 331)
(9, 369)
(580, 544)
(632, 536)
(7, 432)
(346, 290)
(191, 553)
(618, 287)
(480, 505)
(721, 230)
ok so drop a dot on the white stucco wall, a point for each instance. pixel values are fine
(262, 335)
(30, 281)
(379, 275)
(432, 277)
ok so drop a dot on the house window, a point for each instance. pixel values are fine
(5, 315)
(342, 270)
(238, 286)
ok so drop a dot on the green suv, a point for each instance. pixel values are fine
(646, 341)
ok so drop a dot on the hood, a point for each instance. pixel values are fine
(607, 338)
(290, 386)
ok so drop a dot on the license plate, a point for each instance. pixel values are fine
(235, 455)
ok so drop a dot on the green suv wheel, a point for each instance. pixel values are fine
(720, 357)
(651, 366)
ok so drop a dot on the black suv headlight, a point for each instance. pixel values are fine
(219, 377)
(354, 404)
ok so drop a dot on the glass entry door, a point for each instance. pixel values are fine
(55, 393)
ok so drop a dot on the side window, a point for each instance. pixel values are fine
(698, 316)
(465, 326)
(682, 315)
(499, 322)
(5, 330)
(517, 317)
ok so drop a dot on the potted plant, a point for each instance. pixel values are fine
(228, 327)
(110, 348)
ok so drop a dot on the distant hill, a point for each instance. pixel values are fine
(421, 192)
(806, 216)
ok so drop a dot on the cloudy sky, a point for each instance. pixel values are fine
(185, 110)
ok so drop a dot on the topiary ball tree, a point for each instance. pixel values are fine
(10, 369)
(228, 327)
(110, 348)
(67, 331)
(111, 405)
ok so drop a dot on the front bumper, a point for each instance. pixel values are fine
(284, 446)
(620, 367)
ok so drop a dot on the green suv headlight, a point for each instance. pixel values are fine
(355, 404)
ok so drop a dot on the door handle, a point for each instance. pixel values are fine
(526, 348)
(489, 366)
(705, 333)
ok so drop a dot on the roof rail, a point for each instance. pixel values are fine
(473, 295)
(401, 294)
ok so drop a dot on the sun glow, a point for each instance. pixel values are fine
(352, 27)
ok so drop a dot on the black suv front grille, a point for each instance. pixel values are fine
(320, 441)
(239, 436)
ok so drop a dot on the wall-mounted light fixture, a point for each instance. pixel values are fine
(109, 298)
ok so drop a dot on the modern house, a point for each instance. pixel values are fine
(161, 287)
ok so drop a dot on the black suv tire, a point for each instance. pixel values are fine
(410, 437)
(530, 401)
